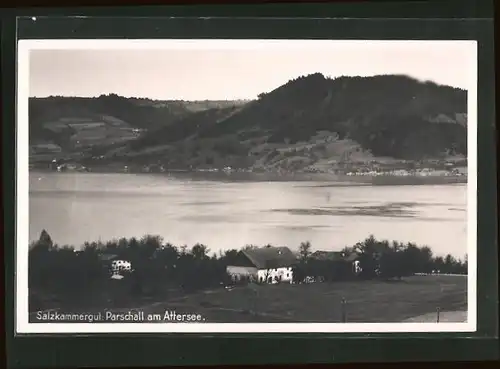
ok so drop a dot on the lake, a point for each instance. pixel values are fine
(79, 207)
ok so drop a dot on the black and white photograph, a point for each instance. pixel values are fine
(205, 186)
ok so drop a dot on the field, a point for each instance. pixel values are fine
(444, 317)
(366, 301)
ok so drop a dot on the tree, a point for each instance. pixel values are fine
(250, 247)
(369, 257)
(395, 263)
(230, 257)
(305, 251)
(45, 241)
(450, 264)
(167, 258)
(200, 252)
(409, 259)
(426, 260)
(149, 245)
(439, 264)
(465, 266)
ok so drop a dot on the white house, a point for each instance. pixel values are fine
(266, 264)
(115, 265)
(118, 266)
(282, 274)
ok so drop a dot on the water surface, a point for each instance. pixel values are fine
(79, 207)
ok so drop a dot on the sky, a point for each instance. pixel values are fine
(233, 70)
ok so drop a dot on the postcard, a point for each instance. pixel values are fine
(243, 186)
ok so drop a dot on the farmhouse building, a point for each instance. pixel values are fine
(343, 261)
(266, 265)
(114, 264)
(335, 256)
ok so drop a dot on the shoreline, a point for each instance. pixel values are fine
(361, 180)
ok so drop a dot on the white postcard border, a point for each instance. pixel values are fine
(22, 324)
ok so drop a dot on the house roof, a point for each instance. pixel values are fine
(270, 257)
(107, 257)
(351, 257)
(334, 256)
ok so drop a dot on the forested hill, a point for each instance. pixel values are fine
(106, 119)
(393, 116)
(311, 122)
(314, 121)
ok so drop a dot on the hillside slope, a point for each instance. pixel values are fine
(72, 124)
(317, 123)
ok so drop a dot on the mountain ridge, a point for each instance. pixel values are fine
(309, 123)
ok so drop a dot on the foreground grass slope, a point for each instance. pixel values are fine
(366, 302)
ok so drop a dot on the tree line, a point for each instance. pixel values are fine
(63, 276)
(376, 259)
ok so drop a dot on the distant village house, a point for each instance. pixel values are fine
(115, 265)
(264, 265)
(344, 263)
